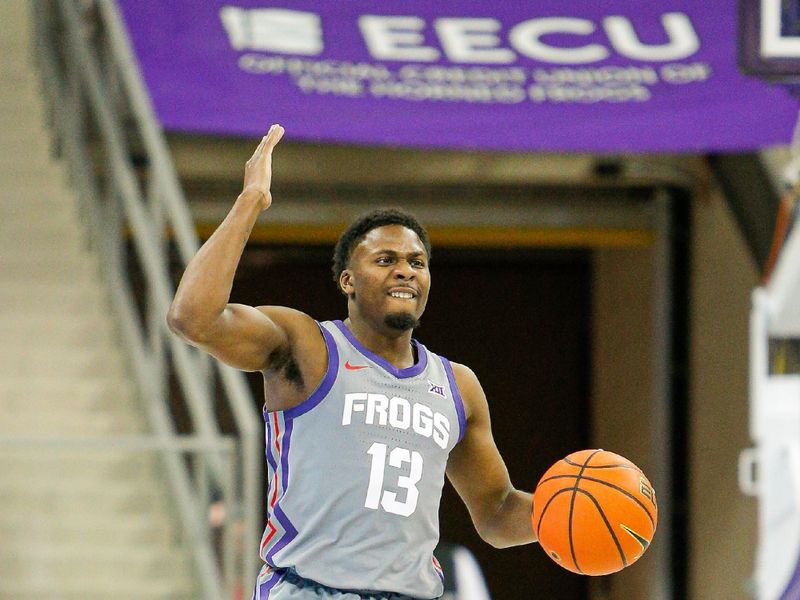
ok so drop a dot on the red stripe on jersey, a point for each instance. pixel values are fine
(436, 564)
(277, 460)
(272, 530)
(269, 537)
(277, 431)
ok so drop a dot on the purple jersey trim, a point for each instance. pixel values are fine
(462, 419)
(325, 385)
(287, 442)
(413, 370)
(289, 530)
(289, 534)
(263, 589)
(270, 460)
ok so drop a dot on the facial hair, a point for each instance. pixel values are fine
(400, 321)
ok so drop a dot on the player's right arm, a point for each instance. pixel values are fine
(241, 336)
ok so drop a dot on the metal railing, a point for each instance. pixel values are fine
(130, 197)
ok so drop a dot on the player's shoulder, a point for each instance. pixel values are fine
(283, 313)
(469, 387)
(466, 380)
(461, 371)
(297, 324)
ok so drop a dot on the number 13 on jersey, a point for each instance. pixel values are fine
(377, 495)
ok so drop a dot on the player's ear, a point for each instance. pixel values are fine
(346, 282)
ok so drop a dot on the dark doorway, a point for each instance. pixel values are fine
(521, 320)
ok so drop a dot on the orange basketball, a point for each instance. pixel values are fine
(594, 512)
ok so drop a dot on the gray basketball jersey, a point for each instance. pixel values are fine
(356, 471)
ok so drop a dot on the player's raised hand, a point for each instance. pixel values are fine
(258, 170)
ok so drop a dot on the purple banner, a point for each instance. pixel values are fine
(552, 75)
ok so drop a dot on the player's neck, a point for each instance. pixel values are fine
(392, 345)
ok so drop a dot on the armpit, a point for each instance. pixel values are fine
(283, 364)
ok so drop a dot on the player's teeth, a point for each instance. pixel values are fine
(406, 295)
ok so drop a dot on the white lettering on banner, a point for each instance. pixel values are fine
(336, 87)
(280, 65)
(451, 92)
(477, 85)
(683, 73)
(399, 413)
(466, 40)
(525, 38)
(683, 38)
(273, 29)
(472, 41)
(442, 74)
(396, 38)
(588, 95)
(479, 52)
(597, 75)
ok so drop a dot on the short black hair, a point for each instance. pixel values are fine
(380, 217)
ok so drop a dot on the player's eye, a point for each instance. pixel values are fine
(418, 263)
(383, 260)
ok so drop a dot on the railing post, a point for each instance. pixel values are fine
(102, 85)
(155, 317)
(233, 522)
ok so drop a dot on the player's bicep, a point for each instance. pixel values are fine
(475, 467)
(243, 337)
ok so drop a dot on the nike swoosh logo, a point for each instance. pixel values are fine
(643, 541)
(350, 367)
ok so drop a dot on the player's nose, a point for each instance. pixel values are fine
(403, 270)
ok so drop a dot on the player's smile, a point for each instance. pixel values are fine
(403, 293)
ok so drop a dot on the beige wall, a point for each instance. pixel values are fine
(622, 382)
(723, 532)
(722, 521)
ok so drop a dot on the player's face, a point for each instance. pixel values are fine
(388, 276)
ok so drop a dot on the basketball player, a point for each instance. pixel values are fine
(362, 420)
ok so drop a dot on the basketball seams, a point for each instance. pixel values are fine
(611, 496)
(611, 485)
(572, 509)
(608, 526)
(547, 505)
(611, 466)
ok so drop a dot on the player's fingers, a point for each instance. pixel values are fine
(258, 151)
(264, 143)
(274, 136)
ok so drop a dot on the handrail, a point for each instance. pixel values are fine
(90, 91)
(181, 443)
(142, 109)
(233, 382)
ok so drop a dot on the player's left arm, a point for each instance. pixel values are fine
(501, 513)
